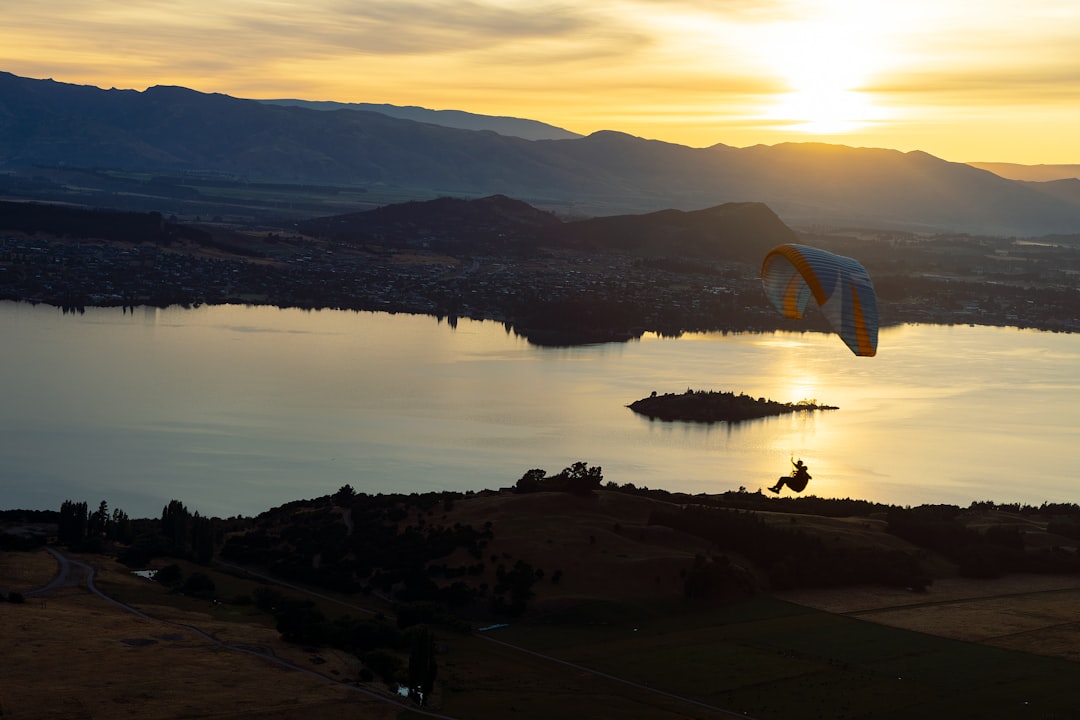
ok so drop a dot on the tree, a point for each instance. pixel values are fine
(299, 621)
(175, 521)
(422, 666)
(202, 539)
(344, 496)
(120, 527)
(198, 584)
(582, 479)
(531, 481)
(73, 523)
(382, 663)
(518, 584)
(169, 575)
(98, 522)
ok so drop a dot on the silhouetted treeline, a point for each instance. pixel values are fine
(29, 516)
(743, 500)
(578, 479)
(81, 529)
(179, 533)
(436, 572)
(379, 642)
(989, 553)
(792, 558)
(30, 540)
(385, 544)
(76, 222)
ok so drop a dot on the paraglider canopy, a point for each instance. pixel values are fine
(791, 274)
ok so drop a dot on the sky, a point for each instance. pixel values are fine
(965, 80)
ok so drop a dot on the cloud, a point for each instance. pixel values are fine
(317, 47)
(408, 27)
(227, 34)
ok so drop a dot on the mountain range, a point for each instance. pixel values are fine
(514, 127)
(168, 130)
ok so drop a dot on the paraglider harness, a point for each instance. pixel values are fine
(799, 477)
(796, 480)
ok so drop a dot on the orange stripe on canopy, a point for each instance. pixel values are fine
(791, 298)
(793, 256)
(862, 333)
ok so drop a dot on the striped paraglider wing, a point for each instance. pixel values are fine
(792, 274)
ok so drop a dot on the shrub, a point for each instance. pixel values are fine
(169, 575)
(198, 584)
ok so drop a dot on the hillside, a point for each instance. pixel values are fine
(495, 225)
(514, 127)
(538, 547)
(623, 610)
(46, 126)
(504, 226)
(734, 231)
(1030, 173)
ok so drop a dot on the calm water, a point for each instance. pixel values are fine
(235, 409)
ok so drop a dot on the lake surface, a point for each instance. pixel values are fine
(234, 410)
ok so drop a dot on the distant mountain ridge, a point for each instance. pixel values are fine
(733, 231)
(1030, 173)
(177, 130)
(511, 126)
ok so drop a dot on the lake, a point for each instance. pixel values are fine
(235, 409)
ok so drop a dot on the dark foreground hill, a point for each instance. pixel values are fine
(47, 126)
(558, 603)
(568, 538)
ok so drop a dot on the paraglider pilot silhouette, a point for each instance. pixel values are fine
(796, 481)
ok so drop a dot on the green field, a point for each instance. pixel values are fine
(760, 658)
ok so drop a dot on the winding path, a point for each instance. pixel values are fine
(66, 578)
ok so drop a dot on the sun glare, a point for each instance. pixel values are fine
(825, 64)
(824, 110)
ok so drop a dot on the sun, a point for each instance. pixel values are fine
(825, 110)
(826, 63)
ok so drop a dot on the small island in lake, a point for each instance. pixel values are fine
(710, 406)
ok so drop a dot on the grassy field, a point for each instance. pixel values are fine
(771, 659)
(74, 655)
(613, 638)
